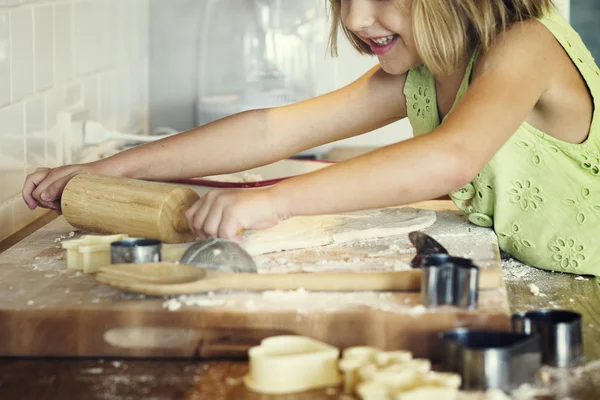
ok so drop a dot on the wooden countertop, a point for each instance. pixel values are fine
(25, 379)
(219, 380)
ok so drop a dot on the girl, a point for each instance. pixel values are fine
(500, 94)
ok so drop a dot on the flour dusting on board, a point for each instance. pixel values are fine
(302, 302)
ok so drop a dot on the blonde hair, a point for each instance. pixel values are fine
(446, 32)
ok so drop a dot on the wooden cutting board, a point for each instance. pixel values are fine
(48, 310)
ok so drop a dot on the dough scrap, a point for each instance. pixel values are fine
(428, 393)
(313, 231)
(290, 364)
(90, 252)
(374, 374)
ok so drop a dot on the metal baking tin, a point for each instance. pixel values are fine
(135, 251)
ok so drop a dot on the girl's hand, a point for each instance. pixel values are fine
(44, 186)
(225, 213)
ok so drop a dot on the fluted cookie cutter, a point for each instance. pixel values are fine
(560, 332)
(135, 251)
(491, 359)
(445, 280)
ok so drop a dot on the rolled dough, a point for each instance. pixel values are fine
(313, 231)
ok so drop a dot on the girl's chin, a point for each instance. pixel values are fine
(394, 68)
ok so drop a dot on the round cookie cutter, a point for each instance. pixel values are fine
(135, 251)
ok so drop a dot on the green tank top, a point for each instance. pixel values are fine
(541, 195)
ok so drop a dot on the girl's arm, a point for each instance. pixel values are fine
(260, 137)
(242, 141)
(509, 81)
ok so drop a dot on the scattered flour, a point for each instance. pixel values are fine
(304, 303)
(516, 270)
(535, 290)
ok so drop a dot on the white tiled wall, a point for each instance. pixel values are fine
(57, 55)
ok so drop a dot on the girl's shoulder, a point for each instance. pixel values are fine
(551, 36)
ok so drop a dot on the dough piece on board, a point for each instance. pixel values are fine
(305, 232)
(290, 364)
(90, 252)
(373, 375)
(428, 393)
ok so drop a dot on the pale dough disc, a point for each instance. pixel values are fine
(305, 232)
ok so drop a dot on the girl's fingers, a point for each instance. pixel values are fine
(213, 219)
(197, 223)
(190, 214)
(229, 227)
(40, 191)
(54, 190)
(31, 183)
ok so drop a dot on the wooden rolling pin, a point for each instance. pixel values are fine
(112, 205)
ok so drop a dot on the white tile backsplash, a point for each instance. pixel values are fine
(12, 150)
(63, 37)
(4, 60)
(21, 35)
(35, 133)
(44, 47)
(58, 55)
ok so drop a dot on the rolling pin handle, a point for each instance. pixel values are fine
(180, 222)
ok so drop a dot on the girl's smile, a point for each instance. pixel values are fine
(385, 26)
(382, 45)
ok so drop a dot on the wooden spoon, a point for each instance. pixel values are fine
(164, 279)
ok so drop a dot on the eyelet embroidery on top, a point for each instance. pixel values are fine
(518, 242)
(422, 102)
(480, 188)
(538, 148)
(582, 205)
(567, 252)
(527, 195)
(591, 161)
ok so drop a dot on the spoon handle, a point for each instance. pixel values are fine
(336, 282)
(321, 281)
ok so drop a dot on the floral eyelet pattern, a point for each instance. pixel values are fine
(567, 253)
(481, 187)
(527, 195)
(538, 149)
(583, 204)
(518, 242)
(422, 102)
(591, 161)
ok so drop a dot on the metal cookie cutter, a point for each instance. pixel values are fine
(449, 280)
(491, 359)
(135, 251)
(445, 280)
(560, 332)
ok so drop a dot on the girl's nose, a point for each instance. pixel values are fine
(359, 15)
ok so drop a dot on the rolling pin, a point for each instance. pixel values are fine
(110, 205)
